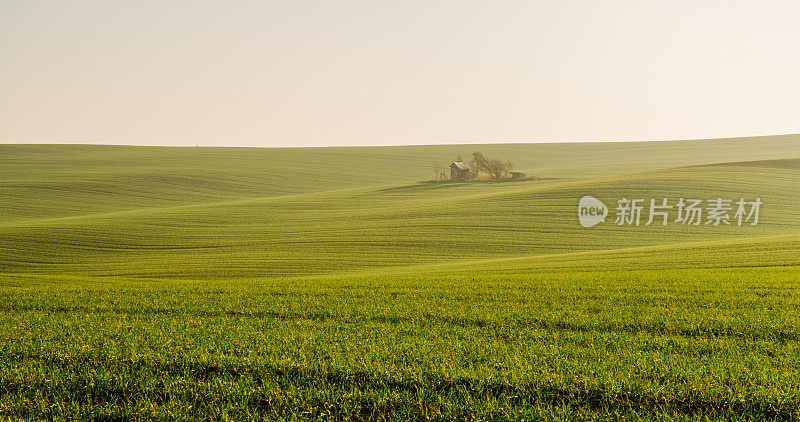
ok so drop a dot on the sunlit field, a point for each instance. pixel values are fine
(350, 284)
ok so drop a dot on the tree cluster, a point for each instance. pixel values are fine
(494, 167)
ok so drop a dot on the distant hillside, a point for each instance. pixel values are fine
(62, 180)
(473, 226)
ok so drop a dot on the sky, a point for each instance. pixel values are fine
(322, 73)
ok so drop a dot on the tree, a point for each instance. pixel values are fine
(439, 171)
(494, 167)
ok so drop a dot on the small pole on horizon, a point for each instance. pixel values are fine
(196, 144)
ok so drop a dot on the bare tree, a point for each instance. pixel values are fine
(439, 170)
(494, 167)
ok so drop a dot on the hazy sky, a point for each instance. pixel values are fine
(282, 73)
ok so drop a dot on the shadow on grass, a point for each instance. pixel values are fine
(346, 394)
(448, 183)
(497, 327)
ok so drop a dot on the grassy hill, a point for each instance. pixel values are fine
(342, 284)
(368, 228)
(64, 180)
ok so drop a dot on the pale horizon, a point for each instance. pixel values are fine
(313, 73)
(607, 141)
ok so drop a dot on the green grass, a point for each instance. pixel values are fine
(58, 180)
(335, 283)
(608, 345)
(373, 228)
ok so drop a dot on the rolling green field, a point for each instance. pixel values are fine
(345, 284)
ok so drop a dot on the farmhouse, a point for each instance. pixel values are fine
(517, 175)
(460, 170)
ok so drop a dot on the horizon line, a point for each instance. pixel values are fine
(90, 143)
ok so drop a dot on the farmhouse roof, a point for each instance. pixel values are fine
(460, 165)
